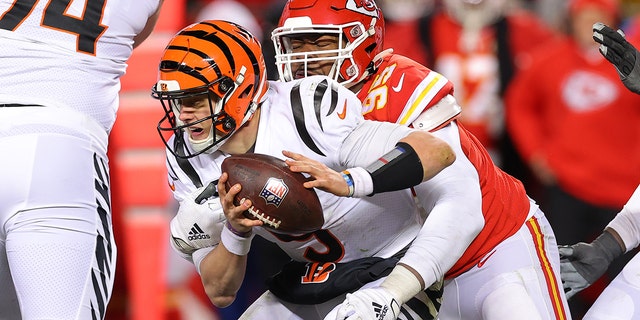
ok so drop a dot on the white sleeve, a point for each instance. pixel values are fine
(369, 141)
(627, 222)
(454, 202)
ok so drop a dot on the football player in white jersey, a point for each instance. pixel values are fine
(484, 235)
(213, 87)
(61, 64)
(584, 263)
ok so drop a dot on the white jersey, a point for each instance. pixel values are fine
(324, 123)
(85, 52)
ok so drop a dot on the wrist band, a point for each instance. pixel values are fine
(361, 182)
(347, 177)
(235, 244)
(236, 232)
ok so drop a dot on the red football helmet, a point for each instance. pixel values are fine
(213, 59)
(358, 24)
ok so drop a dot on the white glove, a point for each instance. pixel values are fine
(368, 304)
(198, 223)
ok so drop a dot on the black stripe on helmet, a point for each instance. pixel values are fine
(214, 39)
(248, 52)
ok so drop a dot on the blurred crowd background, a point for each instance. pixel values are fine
(533, 89)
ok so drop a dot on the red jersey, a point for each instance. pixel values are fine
(399, 92)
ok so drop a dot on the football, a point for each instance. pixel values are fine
(278, 196)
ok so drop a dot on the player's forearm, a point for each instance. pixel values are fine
(434, 153)
(222, 273)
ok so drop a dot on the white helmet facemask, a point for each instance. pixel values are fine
(303, 27)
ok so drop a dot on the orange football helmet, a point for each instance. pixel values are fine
(358, 24)
(213, 59)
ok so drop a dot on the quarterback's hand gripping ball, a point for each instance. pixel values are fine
(277, 194)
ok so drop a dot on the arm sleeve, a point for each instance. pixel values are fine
(627, 222)
(369, 141)
(454, 203)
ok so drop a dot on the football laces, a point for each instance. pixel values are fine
(272, 222)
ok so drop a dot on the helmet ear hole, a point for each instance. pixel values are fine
(225, 85)
(246, 91)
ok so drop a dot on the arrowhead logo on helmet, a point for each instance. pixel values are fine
(367, 7)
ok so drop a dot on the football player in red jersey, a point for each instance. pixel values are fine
(483, 234)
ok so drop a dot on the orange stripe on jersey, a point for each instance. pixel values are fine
(417, 101)
(547, 270)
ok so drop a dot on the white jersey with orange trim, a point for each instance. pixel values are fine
(315, 117)
(81, 49)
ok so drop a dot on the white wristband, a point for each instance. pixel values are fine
(361, 181)
(627, 221)
(627, 225)
(236, 244)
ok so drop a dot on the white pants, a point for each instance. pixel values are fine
(57, 253)
(519, 279)
(620, 300)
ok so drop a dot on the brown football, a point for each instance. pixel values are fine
(278, 196)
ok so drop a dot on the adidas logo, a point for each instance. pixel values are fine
(196, 233)
(380, 310)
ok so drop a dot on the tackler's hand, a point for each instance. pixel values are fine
(321, 176)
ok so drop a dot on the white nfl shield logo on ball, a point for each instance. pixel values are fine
(274, 191)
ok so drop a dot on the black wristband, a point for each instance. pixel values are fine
(399, 169)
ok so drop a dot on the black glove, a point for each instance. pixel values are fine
(583, 263)
(624, 56)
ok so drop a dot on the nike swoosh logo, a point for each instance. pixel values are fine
(485, 258)
(343, 114)
(399, 86)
